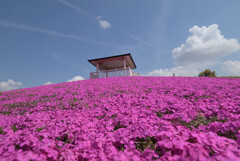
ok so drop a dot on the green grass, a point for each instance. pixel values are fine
(229, 76)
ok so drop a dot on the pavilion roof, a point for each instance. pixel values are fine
(113, 62)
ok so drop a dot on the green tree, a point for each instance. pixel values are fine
(207, 73)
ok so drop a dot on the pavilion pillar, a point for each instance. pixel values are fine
(130, 71)
(124, 65)
(97, 70)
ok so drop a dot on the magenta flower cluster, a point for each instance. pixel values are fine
(123, 118)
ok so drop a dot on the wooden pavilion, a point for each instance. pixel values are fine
(113, 66)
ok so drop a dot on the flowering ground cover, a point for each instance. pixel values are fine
(124, 118)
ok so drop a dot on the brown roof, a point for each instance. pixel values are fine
(112, 62)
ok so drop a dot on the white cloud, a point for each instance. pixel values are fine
(178, 71)
(76, 78)
(104, 24)
(204, 43)
(9, 85)
(200, 51)
(185, 70)
(47, 83)
(231, 68)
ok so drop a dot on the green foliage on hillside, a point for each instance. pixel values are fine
(207, 73)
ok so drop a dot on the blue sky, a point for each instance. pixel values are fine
(50, 41)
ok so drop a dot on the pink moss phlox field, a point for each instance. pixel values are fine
(123, 118)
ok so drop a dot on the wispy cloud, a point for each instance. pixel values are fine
(63, 60)
(159, 26)
(78, 9)
(140, 40)
(9, 24)
(102, 23)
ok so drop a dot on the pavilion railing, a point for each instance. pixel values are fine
(113, 73)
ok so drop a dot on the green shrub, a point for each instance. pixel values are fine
(40, 129)
(14, 128)
(144, 143)
(1, 131)
(207, 73)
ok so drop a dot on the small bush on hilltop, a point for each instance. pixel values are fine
(207, 73)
